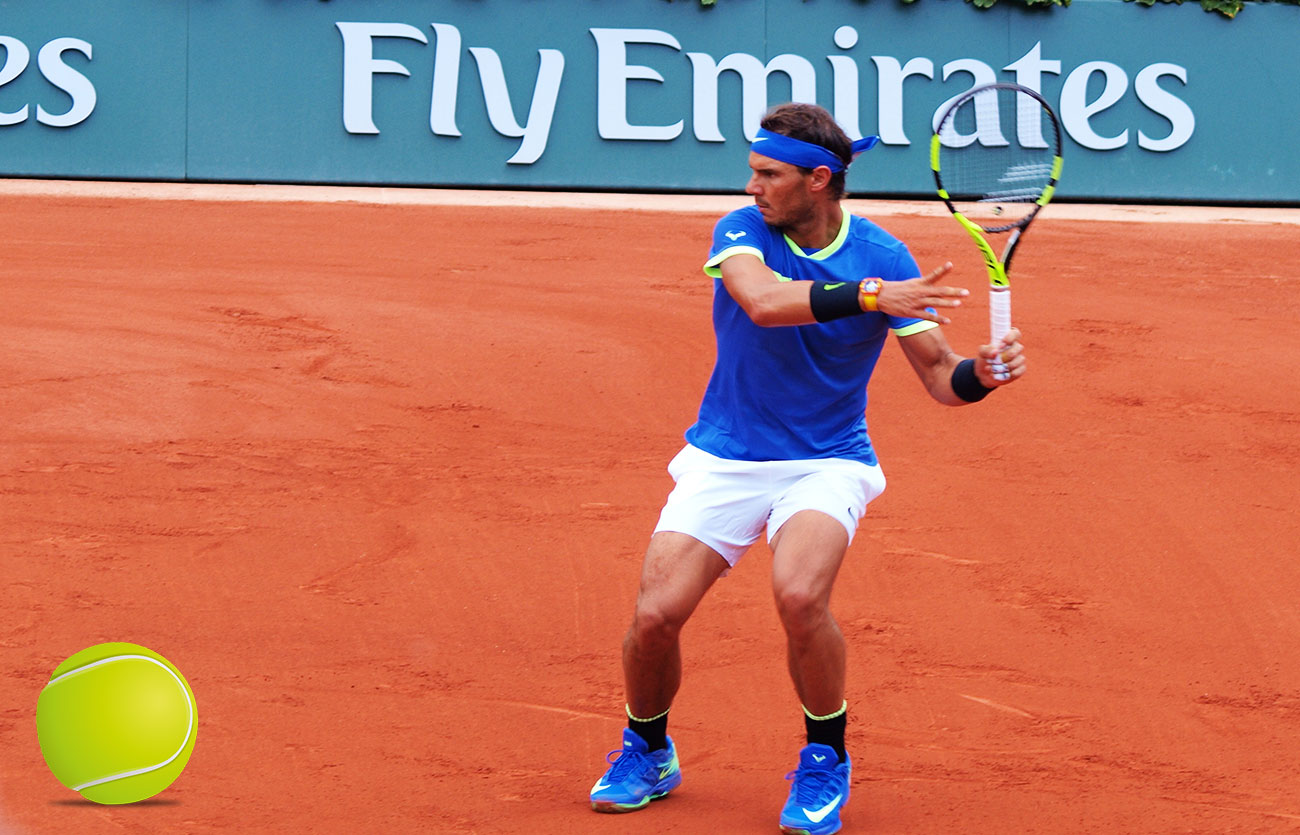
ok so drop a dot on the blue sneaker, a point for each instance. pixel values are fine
(819, 790)
(636, 775)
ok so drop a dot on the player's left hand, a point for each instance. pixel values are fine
(1010, 353)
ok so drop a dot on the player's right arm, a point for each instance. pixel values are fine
(935, 363)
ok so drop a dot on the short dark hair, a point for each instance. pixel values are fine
(812, 123)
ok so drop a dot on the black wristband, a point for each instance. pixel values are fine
(966, 385)
(834, 301)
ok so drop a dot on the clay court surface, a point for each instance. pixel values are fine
(377, 478)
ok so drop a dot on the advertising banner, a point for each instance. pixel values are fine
(1161, 104)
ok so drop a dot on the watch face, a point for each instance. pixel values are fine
(872, 286)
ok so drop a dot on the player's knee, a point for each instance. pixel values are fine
(801, 609)
(655, 625)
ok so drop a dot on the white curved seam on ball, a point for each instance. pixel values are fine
(189, 725)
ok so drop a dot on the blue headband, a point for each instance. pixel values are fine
(804, 154)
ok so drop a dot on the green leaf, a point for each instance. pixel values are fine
(1227, 8)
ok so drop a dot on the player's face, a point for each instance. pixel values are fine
(780, 190)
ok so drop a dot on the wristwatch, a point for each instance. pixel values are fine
(868, 290)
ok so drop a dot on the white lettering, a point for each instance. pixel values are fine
(1182, 120)
(890, 76)
(446, 80)
(1076, 110)
(704, 97)
(844, 75)
(1029, 73)
(76, 85)
(753, 80)
(360, 66)
(803, 82)
(1030, 67)
(1083, 96)
(16, 58)
(612, 74)
(988, 130)
(540, 114)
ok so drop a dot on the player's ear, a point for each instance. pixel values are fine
(820, 178)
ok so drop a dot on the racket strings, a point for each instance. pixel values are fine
(996, 160)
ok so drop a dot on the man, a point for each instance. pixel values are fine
(804, 297)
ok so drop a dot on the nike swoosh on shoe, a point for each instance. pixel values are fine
(818, 815)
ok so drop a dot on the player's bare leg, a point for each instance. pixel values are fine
(675, 575)
(807, 553)
(677, 571)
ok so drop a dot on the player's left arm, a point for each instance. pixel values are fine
(956, 380)
(769, 301)
(772, 302)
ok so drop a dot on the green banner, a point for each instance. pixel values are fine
(639, 95)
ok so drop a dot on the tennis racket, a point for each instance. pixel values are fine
(996, 156)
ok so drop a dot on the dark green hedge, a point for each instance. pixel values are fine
(1227, 8)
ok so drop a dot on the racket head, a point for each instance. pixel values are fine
(996, 155)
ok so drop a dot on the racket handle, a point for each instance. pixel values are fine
(999, 323)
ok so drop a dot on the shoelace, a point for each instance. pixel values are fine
(812, 786)
(625, 762)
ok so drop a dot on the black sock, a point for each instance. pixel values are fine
(828, 730)
(653, 731)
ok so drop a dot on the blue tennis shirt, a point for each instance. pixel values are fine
(783, 393)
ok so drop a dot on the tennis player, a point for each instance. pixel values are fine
(804, 297)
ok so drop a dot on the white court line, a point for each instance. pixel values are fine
(712, 203)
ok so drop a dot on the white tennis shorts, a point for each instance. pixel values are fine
(726, 504)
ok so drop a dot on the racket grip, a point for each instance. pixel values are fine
(999, 323)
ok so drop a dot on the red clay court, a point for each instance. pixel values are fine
(377, 478)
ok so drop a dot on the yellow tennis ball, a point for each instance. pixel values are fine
(116, 722)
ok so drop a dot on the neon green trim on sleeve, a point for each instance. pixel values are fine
(915, 327)
(711, 266)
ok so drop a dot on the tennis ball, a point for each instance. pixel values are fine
(116, 722)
